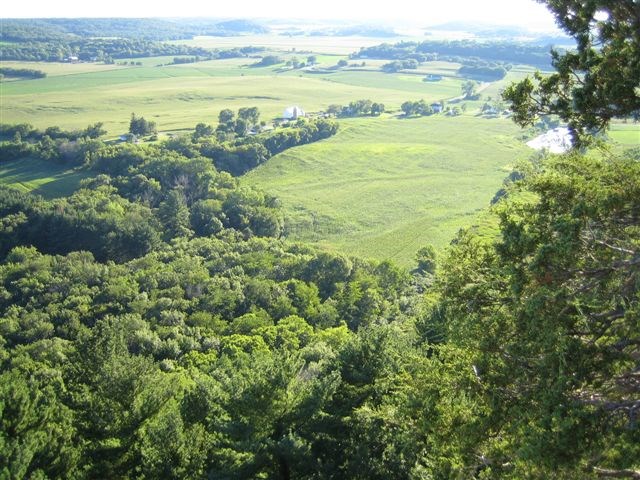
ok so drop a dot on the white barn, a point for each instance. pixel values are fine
(293, 112)
(557, 140)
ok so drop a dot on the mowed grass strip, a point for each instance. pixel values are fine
(51, 180)
(382, 188)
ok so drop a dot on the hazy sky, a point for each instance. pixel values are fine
(426, 12)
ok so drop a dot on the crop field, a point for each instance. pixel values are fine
(411, 85)
(384, 187)
(40, 177)
(59, 68)
(180, 96)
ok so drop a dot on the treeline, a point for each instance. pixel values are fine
(356, 108)
(183, 60)
(472, 67)
(397, 65)
(268, 60)
(484, 70)
(236, 52)
(459, 50)
(92, 50)
(418, 108)
(27, 132)
(46, 29)
(239, 153)
(229, 148)
(21, 72)
(109, 49)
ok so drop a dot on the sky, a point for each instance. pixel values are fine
(527, 13)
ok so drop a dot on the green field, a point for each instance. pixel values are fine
(626, 134)
(180, 96)
(48, 179)
(54, 69)
(385, 187)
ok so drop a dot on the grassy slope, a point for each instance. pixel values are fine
(50, 180)
(384, 187)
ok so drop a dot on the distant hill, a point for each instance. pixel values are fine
(239, 27)
(485, 30)
(357, 30)
(20, 30)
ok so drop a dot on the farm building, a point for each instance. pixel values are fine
(293, 112)
(436, 107)
(557, 140)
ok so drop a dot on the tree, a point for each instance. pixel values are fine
(241, 127)
(426, 258)
(174, 214)
(202, 130)
(419, 107)
(469, 89)
(38, 436)
(268, 61)
(334, 109)
(141, 127)
(598, 81)
(225, 116)
(549, 313)
(249, 114)
(342, 63)
(312, 60)
(408, 108)
(94, 131)
(377, 108)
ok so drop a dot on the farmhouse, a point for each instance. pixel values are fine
(292, 113)
(436, 107)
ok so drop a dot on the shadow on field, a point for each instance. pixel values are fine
(49, 180)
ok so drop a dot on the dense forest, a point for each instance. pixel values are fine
(108, 49)
(154, 324)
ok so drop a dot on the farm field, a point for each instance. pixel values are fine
(180, 96)
(54, 69)
(384, 187)
(315, 43)
(40, 177)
